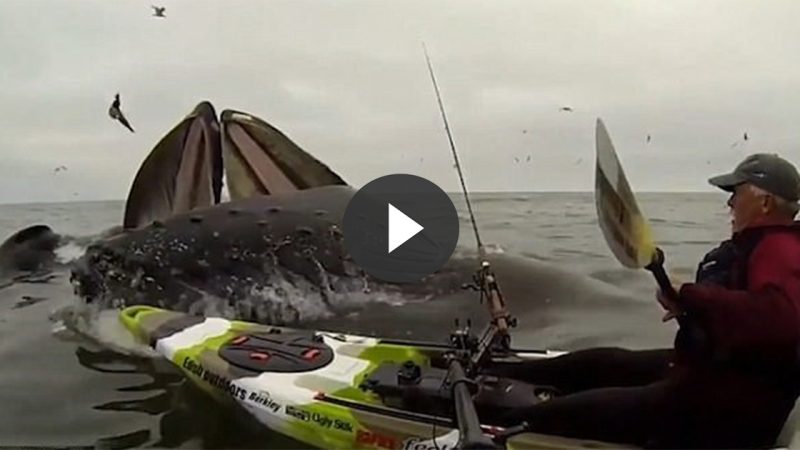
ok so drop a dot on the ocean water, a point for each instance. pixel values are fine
(567, 290)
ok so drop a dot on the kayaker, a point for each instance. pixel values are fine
(732, 376)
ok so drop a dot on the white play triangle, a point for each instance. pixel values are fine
(401, 228)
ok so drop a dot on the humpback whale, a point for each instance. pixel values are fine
(274, 252)
(271, 182)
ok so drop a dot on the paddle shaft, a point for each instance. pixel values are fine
(692, 331)
(656, 267)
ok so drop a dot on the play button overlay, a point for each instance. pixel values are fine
(400, 228)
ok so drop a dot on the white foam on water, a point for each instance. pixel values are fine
(287, 302)
(69, 252)
(470, 250)
(494, 249)
(85, 323)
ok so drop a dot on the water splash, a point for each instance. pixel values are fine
(285, 302)
(69, 252)
(471, 252)
(88, 324)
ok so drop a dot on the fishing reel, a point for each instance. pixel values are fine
(462, 338)
(473, 350)
(500, 317)
(485, 282)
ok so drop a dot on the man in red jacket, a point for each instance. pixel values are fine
(733, 375)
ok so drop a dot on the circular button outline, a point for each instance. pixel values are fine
(365, 228)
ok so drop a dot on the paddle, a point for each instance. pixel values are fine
(626, 231)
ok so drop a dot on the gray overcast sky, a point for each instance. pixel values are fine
(347, 81)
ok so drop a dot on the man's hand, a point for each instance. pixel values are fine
(669, 304)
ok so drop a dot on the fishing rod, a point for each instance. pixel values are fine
(496, 334)
(495, 337)
(481, 250)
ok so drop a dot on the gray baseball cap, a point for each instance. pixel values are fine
(765, 170)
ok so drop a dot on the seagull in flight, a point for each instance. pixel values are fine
(115, 113)
(566, 108)
(158, 11)
(745, 138)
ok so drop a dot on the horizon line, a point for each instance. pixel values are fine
(459, 193)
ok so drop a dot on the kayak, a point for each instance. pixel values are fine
(333, 390)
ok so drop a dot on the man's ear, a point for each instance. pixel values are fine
(767, 203)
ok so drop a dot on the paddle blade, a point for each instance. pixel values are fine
(626, 231)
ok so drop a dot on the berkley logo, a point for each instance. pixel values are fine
(264, 398)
